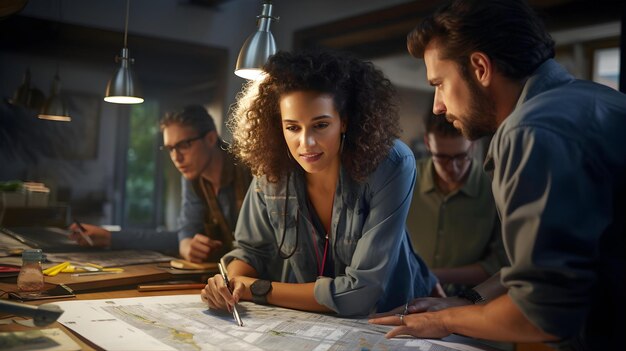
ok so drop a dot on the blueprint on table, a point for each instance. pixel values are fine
(183, 322)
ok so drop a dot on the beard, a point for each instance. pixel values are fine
(480, 120)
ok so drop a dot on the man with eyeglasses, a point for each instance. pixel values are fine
(452, 221)
(213, 188)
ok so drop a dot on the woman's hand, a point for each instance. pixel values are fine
(218, 296)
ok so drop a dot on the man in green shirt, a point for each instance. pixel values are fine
(453, 222)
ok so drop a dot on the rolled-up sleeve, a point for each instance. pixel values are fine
(495, 257)
(254, 233)
(553, 203)
(191, 217)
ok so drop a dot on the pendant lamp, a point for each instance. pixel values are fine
(21, 95)
(28, 95)
(124, 88)
(55, 108)
(258, 47)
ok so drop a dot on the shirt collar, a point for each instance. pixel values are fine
(427, 181)
(228, 170)
(472, 184)
(548, 75)
(470, 188)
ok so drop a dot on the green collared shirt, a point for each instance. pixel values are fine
(456, 229)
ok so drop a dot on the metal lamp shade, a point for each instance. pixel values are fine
(258, 47)
(254, 53)
(123, 87)
(55, 108)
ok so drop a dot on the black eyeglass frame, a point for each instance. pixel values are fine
(182, 145)
(446, 159)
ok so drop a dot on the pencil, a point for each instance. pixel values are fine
(225, 277)
(170, 287)
(95, 273)
(81, 231)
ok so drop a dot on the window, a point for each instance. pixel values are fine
(142, 194)
(606, 67)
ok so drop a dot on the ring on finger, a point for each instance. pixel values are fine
(402, 319)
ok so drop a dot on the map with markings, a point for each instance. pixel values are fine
(183, 322)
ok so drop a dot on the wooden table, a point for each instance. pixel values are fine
(122, 285)
(116, 294)
(105, 286)
(131, 277)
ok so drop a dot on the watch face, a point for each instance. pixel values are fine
(261, 287)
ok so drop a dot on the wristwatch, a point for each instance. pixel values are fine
(259, 289)
(472, 295)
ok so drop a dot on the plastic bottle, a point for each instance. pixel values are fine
(30, 280)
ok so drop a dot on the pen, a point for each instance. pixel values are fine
(159, 287)
(235, 312)
(95, 273)
(81, 231)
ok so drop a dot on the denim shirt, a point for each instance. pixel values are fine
(559, 167)
(191, 218)
(376, 268)
(190, 222)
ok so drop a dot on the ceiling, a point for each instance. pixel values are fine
(380, 36)
(160, 62)
(383, 32)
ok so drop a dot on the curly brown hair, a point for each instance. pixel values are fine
(363, 96)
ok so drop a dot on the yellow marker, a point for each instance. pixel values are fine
(56, 270)
(50, 269)
(94, 265)
(69, 269)
(102, 269)
(90, 267)
(73, 269)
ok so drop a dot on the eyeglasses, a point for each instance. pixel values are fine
(458, 159)
(182, 146)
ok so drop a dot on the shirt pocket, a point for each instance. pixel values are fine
(284, 223)
(349, 232)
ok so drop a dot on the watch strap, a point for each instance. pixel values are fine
(472, 295)
(259, 290)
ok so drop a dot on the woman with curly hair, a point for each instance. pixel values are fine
(322, 227)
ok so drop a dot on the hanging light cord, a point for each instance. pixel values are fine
(264, 15)
(60, 23)
(126, 24)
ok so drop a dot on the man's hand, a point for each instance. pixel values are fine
(412, 318)
(198, 248)
(423, 325)
(424, 304)
(100, 237)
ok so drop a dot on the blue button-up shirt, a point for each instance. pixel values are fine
(559, 182)
(375, 267)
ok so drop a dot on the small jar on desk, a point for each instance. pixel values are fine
(30, 280)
